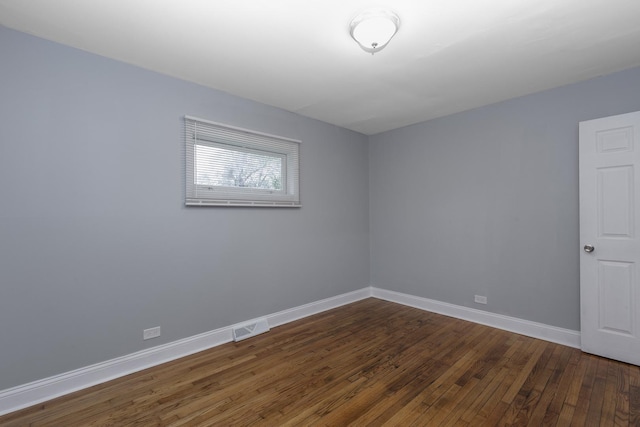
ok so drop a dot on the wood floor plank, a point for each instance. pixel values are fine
(555, 407)
(518, 382)
(487, 390)
(500, 362)
(566, 415)
(494, 408)
(520, 404)
(584, 395)
(595, 416)
(546, 389)
(368, 363)
(415, 407)
(634, 396)
(617, 392)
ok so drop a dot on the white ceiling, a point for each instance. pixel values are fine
(448, 56)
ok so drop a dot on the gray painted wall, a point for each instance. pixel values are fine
(96, 244)
(95, 241)
(486, 202)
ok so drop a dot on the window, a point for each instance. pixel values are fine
(228, 166)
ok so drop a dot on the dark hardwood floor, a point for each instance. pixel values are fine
(368, 363)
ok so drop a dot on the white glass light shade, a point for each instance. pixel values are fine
(373, 29)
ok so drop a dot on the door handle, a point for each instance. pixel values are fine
(589, 248)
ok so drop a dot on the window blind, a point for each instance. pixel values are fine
(229, 166)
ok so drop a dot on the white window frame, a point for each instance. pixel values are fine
(200, 132)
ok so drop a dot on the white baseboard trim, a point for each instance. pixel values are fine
(307, 310)
(541, 331)
(39, 391)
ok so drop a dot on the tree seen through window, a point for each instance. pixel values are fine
(217, 166)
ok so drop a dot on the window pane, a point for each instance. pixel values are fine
(226, 167)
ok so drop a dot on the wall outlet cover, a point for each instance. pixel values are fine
(480, 299)
(151, 333)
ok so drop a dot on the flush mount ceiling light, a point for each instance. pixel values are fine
(374, 28)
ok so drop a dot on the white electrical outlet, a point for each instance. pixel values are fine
(147, 334)
(480, 299)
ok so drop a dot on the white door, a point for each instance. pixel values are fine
(609, 243)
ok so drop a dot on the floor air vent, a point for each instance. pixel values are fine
(250, 329)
